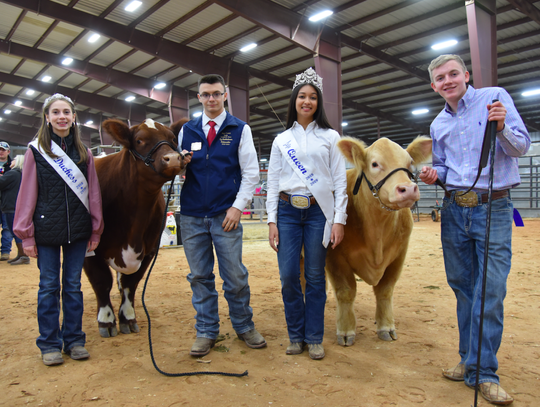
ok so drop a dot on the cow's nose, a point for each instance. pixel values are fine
(407, 190)
(171, 158)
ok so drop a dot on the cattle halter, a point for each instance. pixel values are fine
(375, 188)
(148, 160)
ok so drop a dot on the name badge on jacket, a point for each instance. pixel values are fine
(196, 146)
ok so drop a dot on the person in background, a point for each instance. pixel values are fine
(58, 210)
(220, 181)
(458, 133)
(306, 205)
(7, 236)
(9, 188)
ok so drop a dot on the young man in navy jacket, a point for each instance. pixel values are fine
(220, 181)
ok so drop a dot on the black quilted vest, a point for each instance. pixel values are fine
(60, 216)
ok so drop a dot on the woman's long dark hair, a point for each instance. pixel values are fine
(319, 116)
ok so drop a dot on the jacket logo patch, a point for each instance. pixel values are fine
(225, 139)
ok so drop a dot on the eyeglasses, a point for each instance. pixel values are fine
(215, 95)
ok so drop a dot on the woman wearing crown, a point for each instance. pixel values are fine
(306, 205)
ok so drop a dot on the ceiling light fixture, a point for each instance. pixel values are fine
(532, 92)
(420, 111)
(160, 85)
(134, 5)
(344, 124)
(130, 98)
(7, 111)
(445, 44)
(17, 103)
(248, 47)
(321, 15)
(89, 122)
(67, 61)
(30, 92)
(198, 114)
(46, 78)
(94, 38)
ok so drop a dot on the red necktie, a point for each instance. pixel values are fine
(211, 132)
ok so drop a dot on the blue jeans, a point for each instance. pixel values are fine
(199, 237)
(7, 236)
(10, 217)
(52, 338)
(304, 313)
(463, 241)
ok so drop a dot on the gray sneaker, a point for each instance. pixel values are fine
(52, 358)
(253, 339)
(78, 353)
(316, 351)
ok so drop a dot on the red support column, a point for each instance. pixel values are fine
(238, 91)
(328, 65)
(178, 104)
(482, 23)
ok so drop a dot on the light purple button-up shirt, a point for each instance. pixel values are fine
(458, 137)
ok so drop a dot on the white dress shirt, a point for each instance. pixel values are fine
(247, 157)
(320, 145)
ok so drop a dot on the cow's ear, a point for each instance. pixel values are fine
(353, 149)
(176, 126)
(420, 149)
(119, 131)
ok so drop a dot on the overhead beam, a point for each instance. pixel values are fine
(292, 26)
(112, 106)
(527, 8)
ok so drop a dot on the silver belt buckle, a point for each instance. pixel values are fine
(300, 201)
(469, 200)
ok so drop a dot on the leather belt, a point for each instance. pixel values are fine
(287, 198)
(470, 200)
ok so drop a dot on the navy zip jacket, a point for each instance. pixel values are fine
(213, 176)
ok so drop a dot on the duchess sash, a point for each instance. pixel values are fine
(68, 170)
(303, 166)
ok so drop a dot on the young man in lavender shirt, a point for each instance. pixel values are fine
(457, 134)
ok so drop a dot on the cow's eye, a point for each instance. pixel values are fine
(139, 142)
(374, 165)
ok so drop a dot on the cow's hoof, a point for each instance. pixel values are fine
(387, 335)
(345, 340)
(129, 327)
(108, 332)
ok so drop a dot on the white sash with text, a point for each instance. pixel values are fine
(306, 170)
(68, 170)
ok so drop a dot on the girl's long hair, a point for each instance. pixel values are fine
(319, 116)
(43, 135)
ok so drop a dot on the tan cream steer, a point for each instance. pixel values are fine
(378, 228)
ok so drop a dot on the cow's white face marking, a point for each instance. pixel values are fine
(150, 124)
(130, 258)
(127, 306)
(106, 315)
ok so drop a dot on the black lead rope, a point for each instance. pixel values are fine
(148, 315)
(491, 133)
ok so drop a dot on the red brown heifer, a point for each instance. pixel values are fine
(133, 207)
(378, 228)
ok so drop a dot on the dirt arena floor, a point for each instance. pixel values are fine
(406, 372)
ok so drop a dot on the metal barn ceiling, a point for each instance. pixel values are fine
(383, 48)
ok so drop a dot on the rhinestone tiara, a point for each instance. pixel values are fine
(58, 96)
(309, 76)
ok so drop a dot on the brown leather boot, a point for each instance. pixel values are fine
(20, 253)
